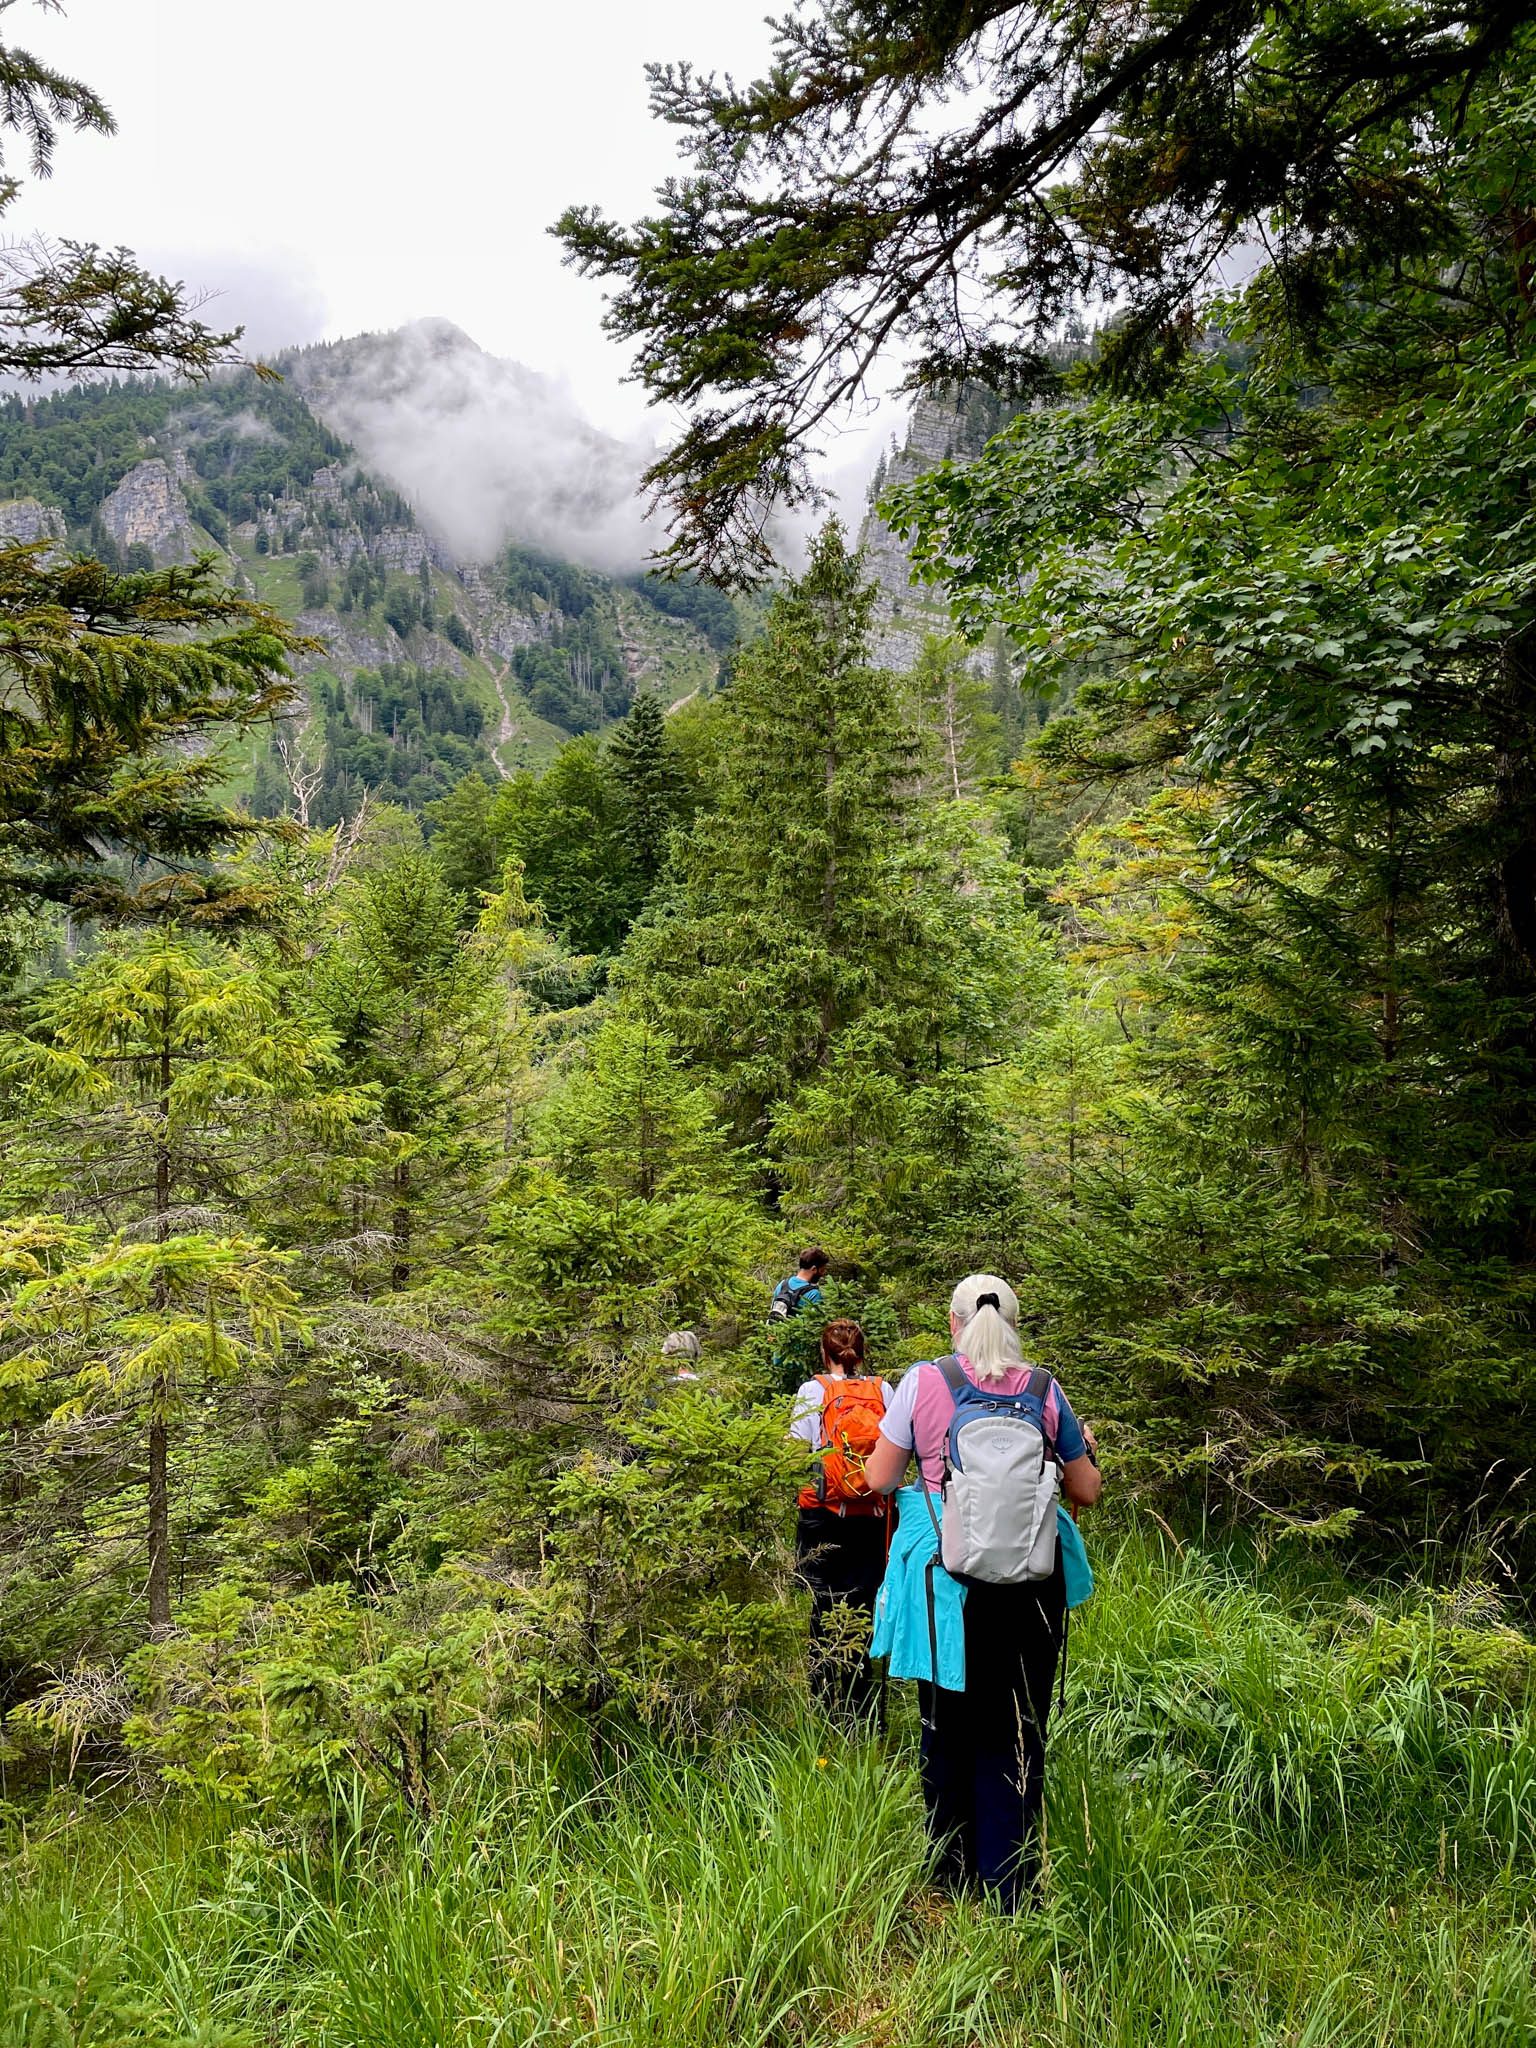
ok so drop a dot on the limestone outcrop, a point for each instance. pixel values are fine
(29, 519)
(148, 510)
(907, 612)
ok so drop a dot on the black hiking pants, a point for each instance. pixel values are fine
(842, 1559)
(983, 1750)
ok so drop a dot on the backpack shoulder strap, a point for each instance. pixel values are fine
(1039, 1389)
(954, 1376)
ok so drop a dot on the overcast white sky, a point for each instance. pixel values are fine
(333, 166)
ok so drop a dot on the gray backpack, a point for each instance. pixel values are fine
(1001, 1482)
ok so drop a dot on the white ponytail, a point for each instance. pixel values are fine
(989, 1310)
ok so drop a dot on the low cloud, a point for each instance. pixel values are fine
(272, 294)
(274, 297)
(485, 450)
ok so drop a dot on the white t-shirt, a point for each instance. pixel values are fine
(809, 1402)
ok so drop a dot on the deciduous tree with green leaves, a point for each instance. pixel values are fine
(960, 729)
(568, 830)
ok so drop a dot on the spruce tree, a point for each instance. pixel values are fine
(152, 1094)
(73, 307)
(114, 691)
(423, 1021)
(647, 774)
(783, 930)
(462, 839)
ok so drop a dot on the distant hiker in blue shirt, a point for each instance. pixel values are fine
(791, 1295)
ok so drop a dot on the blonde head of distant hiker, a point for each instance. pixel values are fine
(984, 1325)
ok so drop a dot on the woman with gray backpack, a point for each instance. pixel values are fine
(975, 1597)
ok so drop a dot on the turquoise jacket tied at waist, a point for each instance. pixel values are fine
(1075, 1568)
(901, 1611)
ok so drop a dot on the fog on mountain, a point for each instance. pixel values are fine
(485, 450)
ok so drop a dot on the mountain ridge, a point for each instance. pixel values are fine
(487, 451)
(507, 657)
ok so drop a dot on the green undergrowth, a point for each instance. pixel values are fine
(1278, 1814)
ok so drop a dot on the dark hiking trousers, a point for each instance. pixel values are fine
(842, 1559)
(983, 1756)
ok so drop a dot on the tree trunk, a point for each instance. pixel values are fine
(159, 1589)
(1514, 793)
(400, 1271)
(159, 1522)
(827, 1009)
(1393, 1218)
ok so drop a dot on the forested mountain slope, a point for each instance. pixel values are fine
(429, 663)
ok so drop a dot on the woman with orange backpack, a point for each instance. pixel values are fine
(840, 1532)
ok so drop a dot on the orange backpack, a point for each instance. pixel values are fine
(850, 1420)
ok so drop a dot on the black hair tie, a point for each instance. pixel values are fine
(989, 1301)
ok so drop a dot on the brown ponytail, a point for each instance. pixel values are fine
(842, 1346)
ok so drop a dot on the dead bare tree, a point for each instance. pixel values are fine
(305, 773)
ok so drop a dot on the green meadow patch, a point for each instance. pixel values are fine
(1255, 1835)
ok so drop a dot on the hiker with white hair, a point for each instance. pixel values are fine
(683, 1352)
(974, 1604)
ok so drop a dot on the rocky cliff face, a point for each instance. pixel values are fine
(341, 516)
(27, 519)
(148, 510)
(907, 612)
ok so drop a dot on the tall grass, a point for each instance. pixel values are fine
(1247, 1843)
